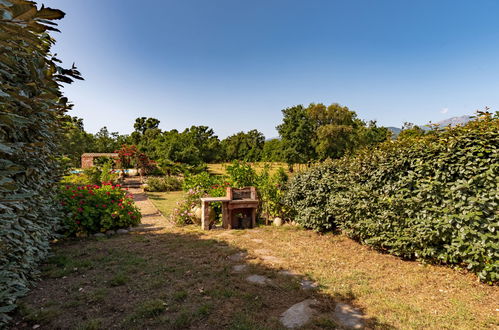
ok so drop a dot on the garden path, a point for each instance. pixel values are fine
(152, 219)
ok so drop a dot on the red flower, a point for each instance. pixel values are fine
(80, 209)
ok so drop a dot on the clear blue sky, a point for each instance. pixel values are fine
(233, 64)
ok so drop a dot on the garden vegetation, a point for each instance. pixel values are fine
(31, 127)
(431, 197)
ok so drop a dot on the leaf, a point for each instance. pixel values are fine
(49, 13)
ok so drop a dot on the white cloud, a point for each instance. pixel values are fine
(444, 110)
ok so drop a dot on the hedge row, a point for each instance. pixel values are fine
(31, 108)
(432, 198)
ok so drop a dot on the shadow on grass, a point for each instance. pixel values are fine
(164, 281)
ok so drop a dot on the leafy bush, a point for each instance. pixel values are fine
(92, 176)
(92, 209)
(165, 183)
(241, 174)
(432, 197)
(31, 126)
(182, 213)
(203, 181)
(271, 193)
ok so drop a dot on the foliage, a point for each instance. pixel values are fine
(130, 156)
(182, 214)
(271, 193)
(431, 197)
(410, 131)
(92, 209)
(241, 174)
(244, 146)
(92, 176)
(31, 127)
(164, 183)
(296, 132)
(272, 151)
(321, 132)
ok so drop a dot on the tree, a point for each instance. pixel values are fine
(296, 132)
(272, 151)
(76, 141)
(105, 141)
(244, 146)
(142, 124)
(337, 129)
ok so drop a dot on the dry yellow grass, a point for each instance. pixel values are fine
(181, 278)
(220, 168)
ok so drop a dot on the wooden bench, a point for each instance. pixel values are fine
(236, 201)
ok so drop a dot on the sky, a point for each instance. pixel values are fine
(233, 65)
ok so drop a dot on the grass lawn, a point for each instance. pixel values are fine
(182, 278)
(166, 202)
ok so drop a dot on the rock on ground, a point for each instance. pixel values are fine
(258, 279)
(238, 256)
(308, 285)
(349, 316)
(239, 268)
(298, 314)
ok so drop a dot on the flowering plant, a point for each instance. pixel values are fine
(183, 213)
(93, 208)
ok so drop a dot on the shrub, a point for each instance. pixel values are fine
(182, 213)
(165, 183)
(241, 174)
(432, 197)
(92, 209)
(271, 193)
(31, 111)
(92, 176)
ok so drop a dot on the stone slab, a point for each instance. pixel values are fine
(298, 315)
(348, 316)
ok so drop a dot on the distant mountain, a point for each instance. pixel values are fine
(395, 131)
(454, 121)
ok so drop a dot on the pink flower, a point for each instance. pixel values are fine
(80, 209)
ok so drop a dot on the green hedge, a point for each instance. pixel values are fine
(432, 198)
(31, 108)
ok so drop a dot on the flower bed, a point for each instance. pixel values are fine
(93, 209)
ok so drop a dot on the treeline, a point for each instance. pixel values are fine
(306, 134)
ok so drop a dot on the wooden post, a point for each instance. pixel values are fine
(253, 217)
(226, 223)
(205, 217)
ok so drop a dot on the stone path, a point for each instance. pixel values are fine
(295, 316)
(152, 219)
(298, 315)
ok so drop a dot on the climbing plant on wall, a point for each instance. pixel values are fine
(31, 121)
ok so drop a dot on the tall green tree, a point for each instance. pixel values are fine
(76, 141)
(297, 133)
(337, 129)
(272, 151)
(244, 146)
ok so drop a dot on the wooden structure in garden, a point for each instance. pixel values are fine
(87, 159)
(238, 208)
